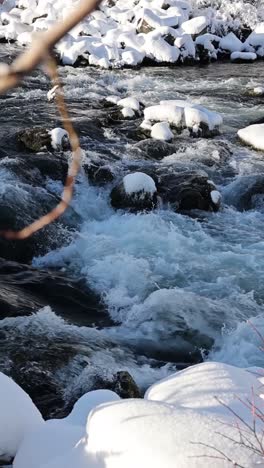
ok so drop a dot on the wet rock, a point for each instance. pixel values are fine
(125, 386)
(186, 191)
(24, 290)
(143, 197)
(99, 174)
(155, 149)
(34, 139)
(144, 27)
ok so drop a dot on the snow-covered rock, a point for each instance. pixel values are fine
(253, 136)
(231, 43)
(195, 25)
(137, 182)
(124, 34)
(161, 131)
(59, 136)
(243, 56)
(18, 416)
(136, 191)
(183, 114)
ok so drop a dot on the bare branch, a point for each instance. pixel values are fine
(42, 46)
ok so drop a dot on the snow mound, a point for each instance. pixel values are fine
(87, 403)
(258, 91)
(18, 416)
(161, 131)
(183, 114)
(209, 386)
(129, 102)
(51, 439)
(253, 136)
(137, 182)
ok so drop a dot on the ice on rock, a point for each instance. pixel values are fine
(161, 131)
(58, 135)
(137, 182)
(194, 26)
(18, 416)
(253, 136)
(231, 43)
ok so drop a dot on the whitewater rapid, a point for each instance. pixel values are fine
(179, 288)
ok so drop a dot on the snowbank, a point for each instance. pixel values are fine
(253, 136)
(18, 416)
(185, 420)
(137, 182)
(124, 34)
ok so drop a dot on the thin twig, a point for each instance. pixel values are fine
(72, 171)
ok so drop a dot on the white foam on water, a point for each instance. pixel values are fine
(162, 273)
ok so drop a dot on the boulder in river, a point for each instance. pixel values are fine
(137, 191)
(39, 139)
(186, 191)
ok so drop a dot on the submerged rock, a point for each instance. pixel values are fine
(24, 290)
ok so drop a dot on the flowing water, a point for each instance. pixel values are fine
(178, 288)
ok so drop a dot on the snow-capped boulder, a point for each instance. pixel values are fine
(183, 114)
(18, 416)
(256, 39)
(194, 26)
(137, 191)
(161, 131)
(243, 57)
(231, 43)
(253, 136)
(59, 138)
(170, 113)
